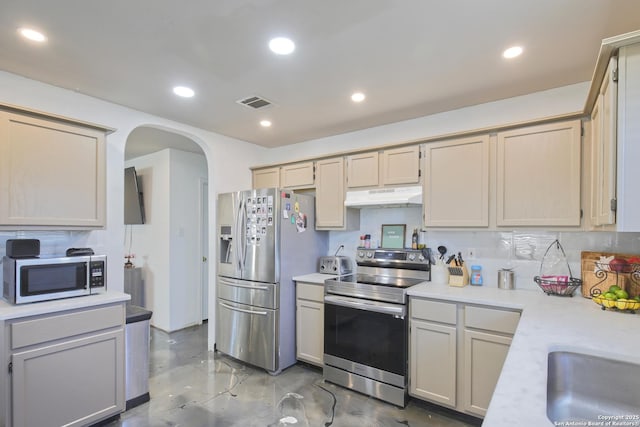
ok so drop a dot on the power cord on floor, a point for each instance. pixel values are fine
(333, 407)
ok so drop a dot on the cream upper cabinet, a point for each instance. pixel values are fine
(298, 175)
(538, 175)
(266, 178)
(52, 173)
(362, 170)
(400, 165)
(603, 150)
(396, 166)
(456, 183)
(330, 210)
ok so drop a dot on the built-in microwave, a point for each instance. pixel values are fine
(28, 280)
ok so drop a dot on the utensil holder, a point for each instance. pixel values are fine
(439, 274)
(458, 275)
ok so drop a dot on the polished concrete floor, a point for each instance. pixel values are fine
(191, 387)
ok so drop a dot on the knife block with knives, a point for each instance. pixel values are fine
(458, 274)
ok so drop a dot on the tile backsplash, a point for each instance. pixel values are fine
(521, 250)
(53, 243)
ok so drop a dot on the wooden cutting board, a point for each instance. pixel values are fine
(597, 277)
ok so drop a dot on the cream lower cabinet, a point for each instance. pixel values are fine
(52, 173)
(484, 356)
(310, 323)
(457, 352)
(66, 368)
(434, 377)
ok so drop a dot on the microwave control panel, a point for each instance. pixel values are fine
(97, 274)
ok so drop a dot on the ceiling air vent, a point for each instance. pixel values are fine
(254, 102)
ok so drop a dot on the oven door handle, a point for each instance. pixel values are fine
(395, 310)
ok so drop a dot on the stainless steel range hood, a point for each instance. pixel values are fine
(385, 197)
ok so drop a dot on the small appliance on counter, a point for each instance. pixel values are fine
(33, 279)
(335, 264)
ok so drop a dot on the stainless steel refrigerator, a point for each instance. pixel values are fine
(265, 237)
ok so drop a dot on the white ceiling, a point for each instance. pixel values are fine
(410, 57)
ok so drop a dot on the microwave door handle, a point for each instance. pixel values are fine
(242, 310)
(398, 311)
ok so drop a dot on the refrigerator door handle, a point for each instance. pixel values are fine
(238, 236)
(239, 285)
(243, 230)
(242, 310)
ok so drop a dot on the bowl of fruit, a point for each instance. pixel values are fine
(617, 299)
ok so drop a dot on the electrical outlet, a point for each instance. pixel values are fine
(471, 253)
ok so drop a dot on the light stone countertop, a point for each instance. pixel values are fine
(9, 311)
(317, 278)
(548, 323)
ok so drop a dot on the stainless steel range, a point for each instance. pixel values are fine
(366, 325)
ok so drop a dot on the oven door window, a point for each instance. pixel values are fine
(366, 337)
(52, 278)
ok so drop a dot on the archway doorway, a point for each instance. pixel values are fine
(170, 250)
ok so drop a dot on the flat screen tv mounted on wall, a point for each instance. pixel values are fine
(133, 202)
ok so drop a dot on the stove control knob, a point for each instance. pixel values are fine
(361, 254)
(369, 254)
(421, 258)
(412, 257)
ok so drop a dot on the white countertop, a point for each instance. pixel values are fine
(9, 311)
(317, 278)
(548, 323)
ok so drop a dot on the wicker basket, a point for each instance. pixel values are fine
(555, 284)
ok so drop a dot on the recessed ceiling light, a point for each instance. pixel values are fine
(265, 123)
(183, 91)
(282, 45)
(31, 34)
(358, 97)
(512, 52)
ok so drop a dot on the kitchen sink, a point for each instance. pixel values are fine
(587, 388)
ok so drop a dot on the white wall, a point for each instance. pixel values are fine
(187, 172)
(548, 103)
(150, 242)
(167, 246)
(228, 160)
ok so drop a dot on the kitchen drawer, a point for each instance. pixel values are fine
(310, 291)
(491, 319)
(436, 311)
(51, 328)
